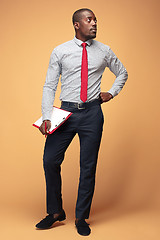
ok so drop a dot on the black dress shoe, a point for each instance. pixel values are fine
(49, 220)
(83, 227)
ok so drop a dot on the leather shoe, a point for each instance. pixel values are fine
(49, 220)
(83, 227)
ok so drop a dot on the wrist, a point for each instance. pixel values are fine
(46, 120)
(110, 95)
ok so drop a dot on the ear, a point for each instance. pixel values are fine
(76, 25)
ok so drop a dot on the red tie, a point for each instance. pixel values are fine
(84, 73)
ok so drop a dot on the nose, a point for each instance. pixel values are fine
(94, 23)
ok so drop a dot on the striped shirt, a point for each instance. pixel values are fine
(66, 60)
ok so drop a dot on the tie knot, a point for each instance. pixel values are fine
(84, 45)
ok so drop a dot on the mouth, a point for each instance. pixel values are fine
(93, 30)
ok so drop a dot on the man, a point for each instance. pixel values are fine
(81, 63)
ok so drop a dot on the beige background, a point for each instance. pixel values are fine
(126, 203)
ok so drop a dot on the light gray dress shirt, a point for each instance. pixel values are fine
(66, 60)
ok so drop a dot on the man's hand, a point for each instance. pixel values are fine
(42, 127)
(105, 96)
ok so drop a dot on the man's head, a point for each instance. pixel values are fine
(85, 24)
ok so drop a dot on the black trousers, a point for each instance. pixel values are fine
(88, 124)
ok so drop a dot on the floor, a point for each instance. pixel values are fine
(112, 225)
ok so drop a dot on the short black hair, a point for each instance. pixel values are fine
(78, 14)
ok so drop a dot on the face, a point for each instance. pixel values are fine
(86, 28)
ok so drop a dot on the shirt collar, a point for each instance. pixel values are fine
(79, 42)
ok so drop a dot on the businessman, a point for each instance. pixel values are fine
(81, 63)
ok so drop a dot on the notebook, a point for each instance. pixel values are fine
(58, 117)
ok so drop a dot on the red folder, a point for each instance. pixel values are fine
(58, 117)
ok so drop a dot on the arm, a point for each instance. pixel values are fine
(49, 89)
(119, 70)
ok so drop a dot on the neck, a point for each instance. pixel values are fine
(83, 39)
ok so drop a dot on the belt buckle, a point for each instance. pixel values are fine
(79, 106)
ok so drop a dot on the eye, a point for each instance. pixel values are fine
(88, 20)
(95, 20)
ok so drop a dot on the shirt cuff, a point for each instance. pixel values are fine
(113, 93)
(46, 117)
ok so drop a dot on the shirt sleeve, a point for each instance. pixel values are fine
(119, 70)
(50, 86)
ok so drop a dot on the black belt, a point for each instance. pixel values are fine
(81, 106)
